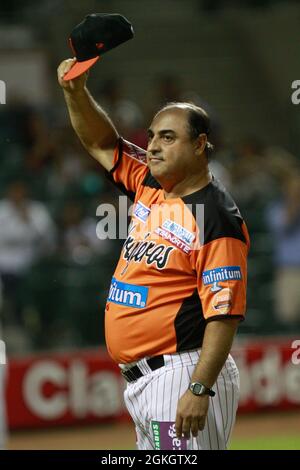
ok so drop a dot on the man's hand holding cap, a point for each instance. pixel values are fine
(96, 34)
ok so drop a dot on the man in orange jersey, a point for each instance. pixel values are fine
(179, 289)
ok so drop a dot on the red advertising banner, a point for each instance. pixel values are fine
(269, 374)
(69, 388)
(86, 386)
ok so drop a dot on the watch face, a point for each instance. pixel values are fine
(197, 388)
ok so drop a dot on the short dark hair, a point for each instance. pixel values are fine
(198, 121)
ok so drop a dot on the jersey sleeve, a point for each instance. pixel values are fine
(221, 267)
(130, 168)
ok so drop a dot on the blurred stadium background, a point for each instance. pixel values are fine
(237, 59)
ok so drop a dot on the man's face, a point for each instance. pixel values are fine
(170, 152)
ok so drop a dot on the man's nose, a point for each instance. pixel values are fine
(153, 146)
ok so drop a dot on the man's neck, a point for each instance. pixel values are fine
(187, 186)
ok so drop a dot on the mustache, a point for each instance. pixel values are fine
(153, 156)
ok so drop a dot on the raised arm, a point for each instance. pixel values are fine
(90, 122)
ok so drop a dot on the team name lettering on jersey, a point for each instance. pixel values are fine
(153, 253)
(128, 295)
(141, 211)
(179, 231)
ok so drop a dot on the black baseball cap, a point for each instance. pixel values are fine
(96, 34)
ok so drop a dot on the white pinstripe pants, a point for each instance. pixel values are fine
(154, 398)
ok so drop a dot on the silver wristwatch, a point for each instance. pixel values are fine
(199, 389)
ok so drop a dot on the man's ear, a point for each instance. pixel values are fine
(201, 143)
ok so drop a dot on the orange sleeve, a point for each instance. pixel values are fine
(221, 267)
(130, 167)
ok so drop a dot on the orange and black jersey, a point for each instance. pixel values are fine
(183, 264)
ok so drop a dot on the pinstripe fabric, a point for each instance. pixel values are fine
(154, 397)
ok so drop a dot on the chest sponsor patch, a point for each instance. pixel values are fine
(128, 295)
(141, 211)
(225, 273)
(164, 436)
(166, 235)
(180, 232)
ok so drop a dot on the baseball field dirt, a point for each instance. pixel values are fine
(256, 431)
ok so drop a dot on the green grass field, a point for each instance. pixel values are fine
(291, 442)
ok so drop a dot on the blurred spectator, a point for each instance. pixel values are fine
(124, 112)
(251, 182)
(169, 89)
(79, 240)
(15, 121)
(73, 174)
(27, 233)
(257, 171)
(40, 147)
(283, 218)
(27, 145)
(220, 173)
(68, 165)
(22, 124)
(280, 163)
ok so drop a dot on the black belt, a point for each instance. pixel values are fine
(135, 372)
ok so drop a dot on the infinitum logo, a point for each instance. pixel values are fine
(225, 273)
(2, 353)
(128, 295)
(2, 92)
